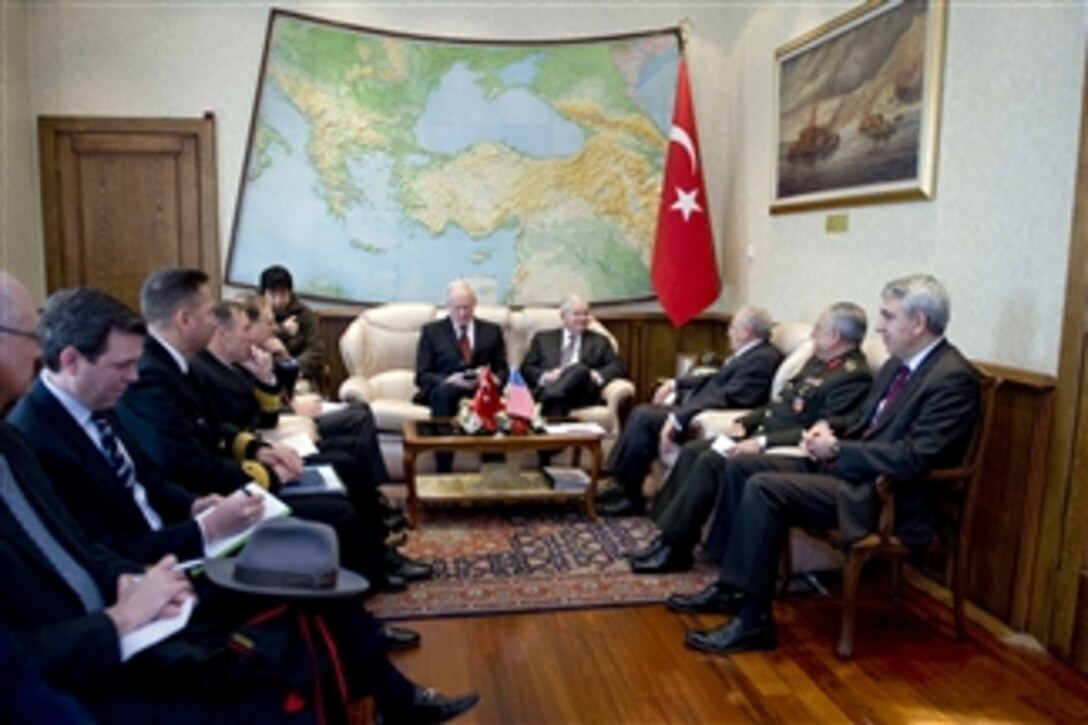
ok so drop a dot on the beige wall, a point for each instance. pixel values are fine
(997, 231)
(20, 246)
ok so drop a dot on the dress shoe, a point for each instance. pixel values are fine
(623, 506)
(428, 705)
(398, 639)
(408, 569)
(612, 493)
(394, 521)
(391, 583)
(666, 559)
(716, 597)
(734, 637)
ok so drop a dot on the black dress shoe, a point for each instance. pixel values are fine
(391, 583)
(734, 637)
(393, 522)
(623, 506)
(406, 568)
(612, 493)
(666, 559)
(427, 705)
(717, 597)
(398, 639)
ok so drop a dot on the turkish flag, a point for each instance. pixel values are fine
(685, 270)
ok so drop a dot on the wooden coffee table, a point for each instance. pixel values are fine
(490, 484)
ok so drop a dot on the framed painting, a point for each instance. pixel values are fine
(858, 107)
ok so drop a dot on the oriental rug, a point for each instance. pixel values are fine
(502, 560)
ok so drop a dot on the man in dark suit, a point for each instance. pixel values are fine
(567, 367)
(829, 386)
(451, 353)
(170, 418)
(91, 344)
(744, 381)
(919, 416)
(68, 600)
(348, 441)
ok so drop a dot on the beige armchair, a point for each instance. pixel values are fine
(379, 353)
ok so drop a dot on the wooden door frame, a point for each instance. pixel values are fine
(1064, 527)
(203, 129)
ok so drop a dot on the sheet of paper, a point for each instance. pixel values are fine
(155, 631)
(301, 443)
(576, 428)
(273, 507)
(723, 444)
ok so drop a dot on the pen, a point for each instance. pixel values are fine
(190, 564)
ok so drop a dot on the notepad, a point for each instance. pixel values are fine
(315, 479)
(273, 507)
(156, 630)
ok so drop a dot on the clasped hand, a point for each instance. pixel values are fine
(819, 442)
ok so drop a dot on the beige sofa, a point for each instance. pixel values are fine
(379, 353)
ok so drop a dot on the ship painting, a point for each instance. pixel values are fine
(852, 106)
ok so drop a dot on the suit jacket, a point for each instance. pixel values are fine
(48, 625)
(828, 390)
(168, 415)
(743, 382)
(927, 426)
(94, 496)
(546, 347)
(438, 355)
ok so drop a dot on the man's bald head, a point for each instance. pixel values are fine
(18, 341)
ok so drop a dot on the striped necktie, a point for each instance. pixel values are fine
(126, 472)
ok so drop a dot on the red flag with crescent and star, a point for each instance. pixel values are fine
(685, 270)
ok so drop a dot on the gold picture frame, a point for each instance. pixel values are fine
(857, 108)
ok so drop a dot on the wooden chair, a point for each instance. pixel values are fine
(958, 489)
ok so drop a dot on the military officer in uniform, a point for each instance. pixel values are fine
(829, 386)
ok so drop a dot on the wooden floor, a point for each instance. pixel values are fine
(629, 665)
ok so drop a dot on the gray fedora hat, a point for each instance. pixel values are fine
(287, 557)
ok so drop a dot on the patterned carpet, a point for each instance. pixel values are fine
(499, 560)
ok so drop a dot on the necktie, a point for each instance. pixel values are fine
(566, 355)
(126, 472)
(894, 389)
(465, 344)
(73, 574)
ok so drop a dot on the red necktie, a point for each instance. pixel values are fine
(465, 345)
(894, 389)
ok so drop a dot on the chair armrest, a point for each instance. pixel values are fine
(619, 396)
(711, 423)
(356, 389)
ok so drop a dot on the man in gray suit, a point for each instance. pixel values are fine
(919, 416)
(567, 367)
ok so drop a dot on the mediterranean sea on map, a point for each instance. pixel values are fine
(381, 167)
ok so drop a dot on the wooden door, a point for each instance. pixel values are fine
(124, 197)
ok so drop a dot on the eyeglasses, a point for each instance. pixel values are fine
(31, 335)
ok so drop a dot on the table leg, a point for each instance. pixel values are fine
(595, 473)
(412, 508)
